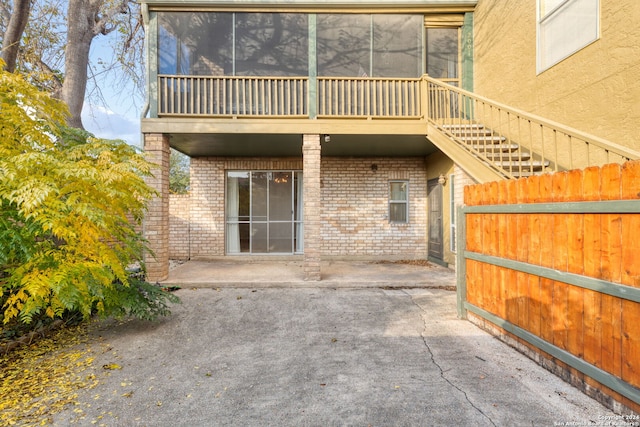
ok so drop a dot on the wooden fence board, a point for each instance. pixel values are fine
(630, 180)
(592, 333)
(512, 243)
(631, 342)
(546, 260)
(503, 242)
(492, 288)
(524, 236)
(610, 241)
(611, 235)
(575, 264)
(546, 310)
(602, 329)
(559, 255)
(533, 257)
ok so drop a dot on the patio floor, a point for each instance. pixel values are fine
(348, 274)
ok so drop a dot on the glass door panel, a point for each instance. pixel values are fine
(280, 196)
(259, 196)
(280, 237)
(443, 53)
(259, 238)
(264, 212)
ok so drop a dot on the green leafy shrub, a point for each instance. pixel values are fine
(71, 205)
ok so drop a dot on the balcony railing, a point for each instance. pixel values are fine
(369, 97)
(232, 96)
(511, 142)
(288, 97)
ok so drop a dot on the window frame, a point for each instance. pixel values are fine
(398, 202)
(556, 12)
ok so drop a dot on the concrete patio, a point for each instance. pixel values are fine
(289, 273)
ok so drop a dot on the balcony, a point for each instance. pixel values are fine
(490, 140)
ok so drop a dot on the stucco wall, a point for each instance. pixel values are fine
(595, 90)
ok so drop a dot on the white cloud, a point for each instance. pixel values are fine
(106, 123)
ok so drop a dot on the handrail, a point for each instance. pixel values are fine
(479, 124)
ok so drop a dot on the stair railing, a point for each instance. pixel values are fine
(485, 123)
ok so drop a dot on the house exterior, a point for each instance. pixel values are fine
(347, 129)
(589, 82)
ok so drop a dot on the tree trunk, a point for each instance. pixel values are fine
(81, 22)
(13, 34)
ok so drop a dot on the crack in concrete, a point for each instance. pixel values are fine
(433, 360)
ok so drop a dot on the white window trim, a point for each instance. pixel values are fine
(541, 66)
(391, 201)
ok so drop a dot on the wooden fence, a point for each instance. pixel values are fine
(552, 264)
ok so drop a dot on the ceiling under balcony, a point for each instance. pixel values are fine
(290, 145)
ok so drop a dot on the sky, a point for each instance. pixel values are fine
(119, 116)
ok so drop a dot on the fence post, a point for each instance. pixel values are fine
(461, 264)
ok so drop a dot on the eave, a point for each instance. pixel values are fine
(325, 6)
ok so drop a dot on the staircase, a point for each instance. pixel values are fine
(493, 141)
(496, 150)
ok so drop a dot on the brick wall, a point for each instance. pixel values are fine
(156, 222)
(462, 180)
(179, 234)
(354, 202)
(207, 207)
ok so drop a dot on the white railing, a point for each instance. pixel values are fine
(232, 96)
(369, 97)
(479, 125)
(288, 97)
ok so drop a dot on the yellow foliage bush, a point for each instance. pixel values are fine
(70, 204)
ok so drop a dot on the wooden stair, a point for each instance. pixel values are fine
(490, 147)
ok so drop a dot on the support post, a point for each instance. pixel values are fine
(461, 262)
(311, 158)
(156, 221)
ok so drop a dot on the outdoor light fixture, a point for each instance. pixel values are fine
(374, 167)
(327, 138)
(442, 179)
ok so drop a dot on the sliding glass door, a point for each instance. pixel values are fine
(264, 212)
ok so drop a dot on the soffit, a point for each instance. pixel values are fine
(290, 145)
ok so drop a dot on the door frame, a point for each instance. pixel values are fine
(435, 189)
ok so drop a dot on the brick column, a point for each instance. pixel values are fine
(156, 221)
(311, 197)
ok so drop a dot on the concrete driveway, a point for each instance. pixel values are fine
(288, 356)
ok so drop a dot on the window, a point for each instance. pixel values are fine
(233, 44)
(399, 201)
(564, 27)
(442, 53)
(359, 45)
